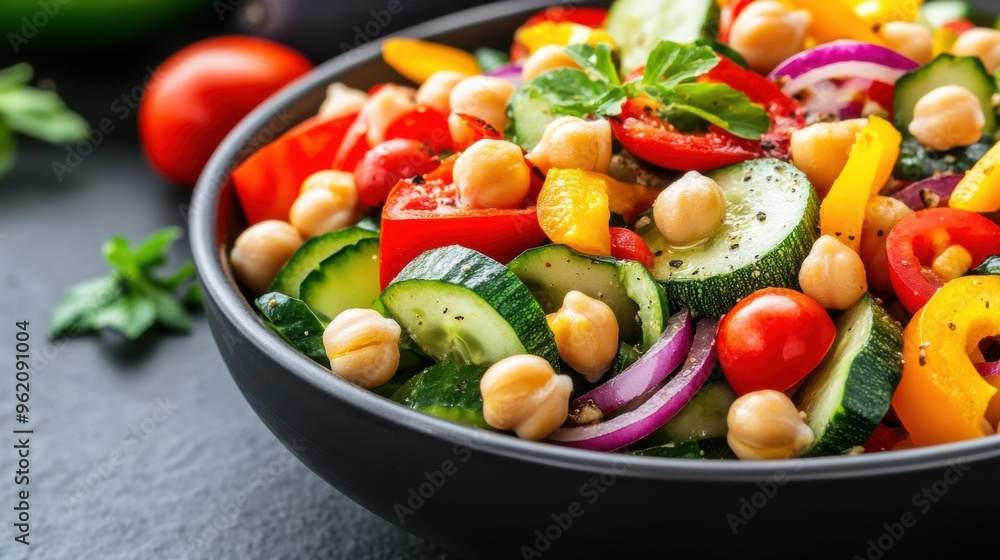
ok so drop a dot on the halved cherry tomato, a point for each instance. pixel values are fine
(626, 244)
(384, 165)
(915, 241)
(652, 139)
(422, 213)
(268, 181)
(772, 339)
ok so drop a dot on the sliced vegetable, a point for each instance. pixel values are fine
(850, 392)
(630, 427)
(296, 323)
(770, 226)
(659, 361)
(637, 26)
(307, 257)
(573, 210)
(704, 417)
(417, 60)
(834, 19)
(928, 193)
(627, 245)
(463, 307)
(345, 280)
(919, 238)
(840, 59)
(917, 162)
(964, 71)
(979, 190)
(447, 391)
(941, 397)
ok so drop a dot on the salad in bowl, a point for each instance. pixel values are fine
(750, 229)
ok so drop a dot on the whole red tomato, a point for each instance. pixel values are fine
(772, 339)
(199, 94)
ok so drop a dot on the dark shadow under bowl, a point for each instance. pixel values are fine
(487, 495)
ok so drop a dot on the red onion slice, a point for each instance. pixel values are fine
(988, 369)
(630, 427)
(510, 72)
(650, 369)
(928, 193)
(841, 59)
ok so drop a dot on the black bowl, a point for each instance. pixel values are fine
(487, 495)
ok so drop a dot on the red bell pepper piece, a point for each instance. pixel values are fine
(424, 124)
(268, 181)
(652, 139)
(628, 245)
(423, 214)
(918, 238)
(353, 145)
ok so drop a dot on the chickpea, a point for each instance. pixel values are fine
(363, 347)
(947, 117)
(342, 100)
(881, 215)
(833, 274)
(766, 33)
(586, 331)
(820, 151)
(260, 252)
(574, 143)
(911, 40)
(952, 262)
(524, 394)
(480, 96)
(548, 57)
(385, 106)
(491, 174)
(982, 43)
(689, 209)
(436, 90)
(328, 202)
(765, 425)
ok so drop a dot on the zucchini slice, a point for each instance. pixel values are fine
(772, 214)
(346, 279)
(639, 303)
(850, 391)
(307, 257)
(296, 323)
(447, 391)
(946, 69)
(463, 307)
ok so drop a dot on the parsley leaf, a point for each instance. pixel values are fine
(34, 112)
(571, 92)
(130, 299)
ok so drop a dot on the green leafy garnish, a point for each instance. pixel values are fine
(130, 299)
(669, 79)
(490, 59)
(33, 112)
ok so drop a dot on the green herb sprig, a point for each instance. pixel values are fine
(130, 299)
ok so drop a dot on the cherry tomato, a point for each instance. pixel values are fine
(626, 244)
(198, 94)
(384, 165)
(772, 339)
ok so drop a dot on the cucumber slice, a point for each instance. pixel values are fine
(772, 215)
(296, 323)
(637, 26)
(704, 417)
(463, 307)
(308, 256)
(639, 303)
(528, 114)
(447, 391)
(346, 279)
(944, 70)
(850, 391)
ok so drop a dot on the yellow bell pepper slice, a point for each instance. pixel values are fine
(562, 33)
(573, 210)
(873, 155)
(941, 397)
(417, 60)
(979, 190)
(883, 11)
(834, 19)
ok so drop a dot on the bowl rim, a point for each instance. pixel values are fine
(228, 299)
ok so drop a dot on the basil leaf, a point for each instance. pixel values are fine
(75, 310)
(671, 64)
(595, 61)
(572, 92)
(15, 76)
(8, 149)
(722, 106)
(41, 114)
(490, 59)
